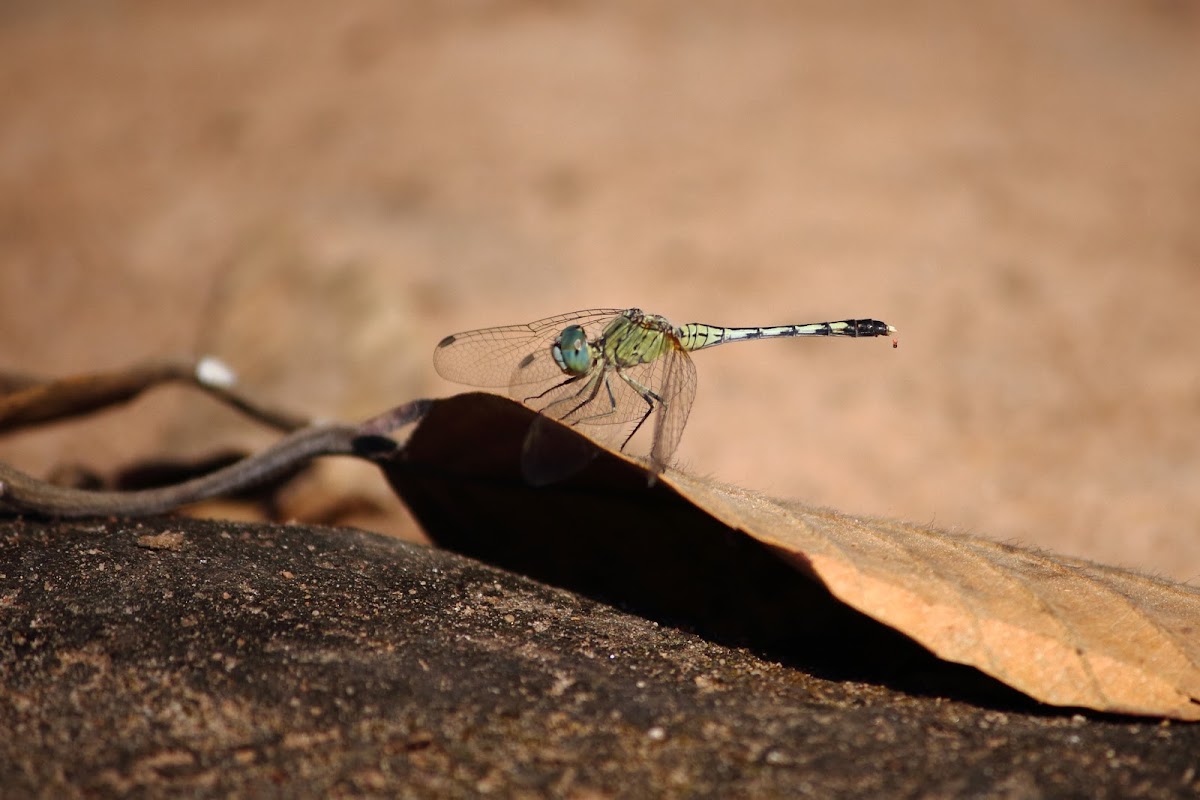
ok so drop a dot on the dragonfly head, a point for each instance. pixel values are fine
(571, 351)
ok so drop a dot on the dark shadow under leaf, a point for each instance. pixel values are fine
(605, 534)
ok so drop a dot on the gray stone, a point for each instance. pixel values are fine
(176, 657)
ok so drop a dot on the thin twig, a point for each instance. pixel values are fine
(35, 403)
(23, 493)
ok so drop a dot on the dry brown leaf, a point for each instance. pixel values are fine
(1062, 631)
(1065, 632)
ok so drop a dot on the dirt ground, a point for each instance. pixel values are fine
(319, 194)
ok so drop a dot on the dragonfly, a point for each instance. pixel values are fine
(607, 371)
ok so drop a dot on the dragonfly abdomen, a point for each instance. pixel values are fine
(697, 335)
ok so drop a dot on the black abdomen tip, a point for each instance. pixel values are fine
(870, 327)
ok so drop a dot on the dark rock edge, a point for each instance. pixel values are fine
(174, 656)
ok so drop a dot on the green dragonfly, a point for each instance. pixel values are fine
(606, 370)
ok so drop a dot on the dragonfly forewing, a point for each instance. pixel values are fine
(506, 355)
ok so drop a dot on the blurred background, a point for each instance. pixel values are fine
(319, 192)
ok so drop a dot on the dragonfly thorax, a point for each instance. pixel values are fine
(571, 351)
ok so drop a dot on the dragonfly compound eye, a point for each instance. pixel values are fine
(571, 351)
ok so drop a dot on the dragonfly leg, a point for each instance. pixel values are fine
(612, 402)
(567, 382)
(646, 394)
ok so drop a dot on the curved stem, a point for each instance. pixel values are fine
(27, 401)
(25, 494)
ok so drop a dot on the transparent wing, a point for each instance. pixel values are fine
(512, 355)
(603, 397)
(607, 406)
(679, 392)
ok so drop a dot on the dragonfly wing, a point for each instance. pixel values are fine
(608, 405)
(499, 356)
(536, 376)
(486, 357)
(678, 394)
(552, 454)
(604, 398)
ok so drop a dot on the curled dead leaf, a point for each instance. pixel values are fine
(1064, 632)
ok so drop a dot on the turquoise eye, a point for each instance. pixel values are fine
(571, 351)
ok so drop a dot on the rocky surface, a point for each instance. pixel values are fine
(182, 657)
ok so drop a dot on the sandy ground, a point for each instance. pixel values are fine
(319, 195)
